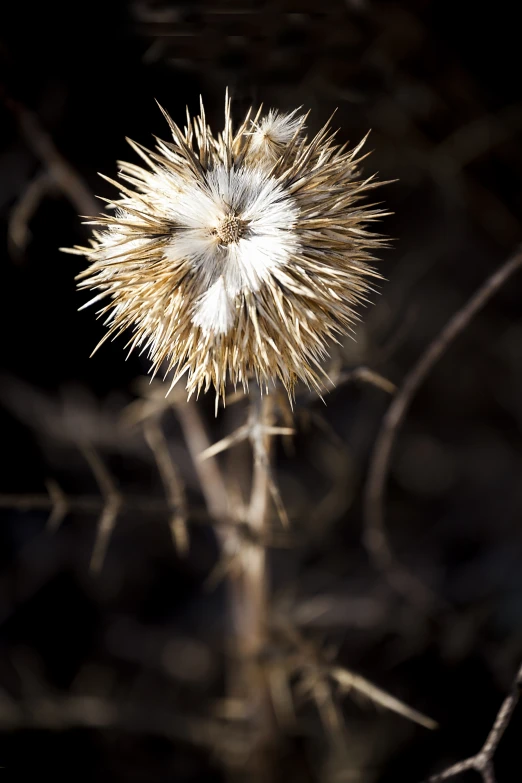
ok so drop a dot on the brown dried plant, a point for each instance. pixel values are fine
(236, 256)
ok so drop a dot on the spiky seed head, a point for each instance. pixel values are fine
(238, 255)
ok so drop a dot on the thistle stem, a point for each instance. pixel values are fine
(249, 599)
(248, 582)
(257, 517)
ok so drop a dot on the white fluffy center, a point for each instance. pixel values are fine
(236, 227)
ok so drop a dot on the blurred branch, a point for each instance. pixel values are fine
(61, 172)
(210, 477)
(375, 535)
(348, 681)
(25, 208)
(153, 402)
(338, 376)
(171, 481)
(110, 509)
(242, 534)
(365, 375)
(90, 504)
(59, 712)
(318, 675)
(476, 138)
(483, 761)
(59, 508)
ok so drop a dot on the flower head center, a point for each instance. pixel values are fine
(230, 230)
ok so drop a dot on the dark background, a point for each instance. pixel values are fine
(114, 677)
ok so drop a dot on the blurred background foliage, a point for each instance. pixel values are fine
(116, 676)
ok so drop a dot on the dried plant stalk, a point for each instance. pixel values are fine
(249, 591)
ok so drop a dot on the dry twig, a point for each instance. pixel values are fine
(59, 508)
(210, 477)
(482, 762)
(375, 535)
(110, 510)
(59, 169)
(318, 675)
(24, 210)
(364, 374)
(174, 488)
(91, 504)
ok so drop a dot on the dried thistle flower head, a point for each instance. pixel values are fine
(238, 255)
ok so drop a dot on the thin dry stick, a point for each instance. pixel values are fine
(18, 232)
(63, 174)
(365, 375)
(43, 147)
(91, 504)
(315, 665)
(348, 681)
(110, 510)
(59, 506)
(483, 761)
(172, 483)
(211, 481)
(375, 535)
(56, 711)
